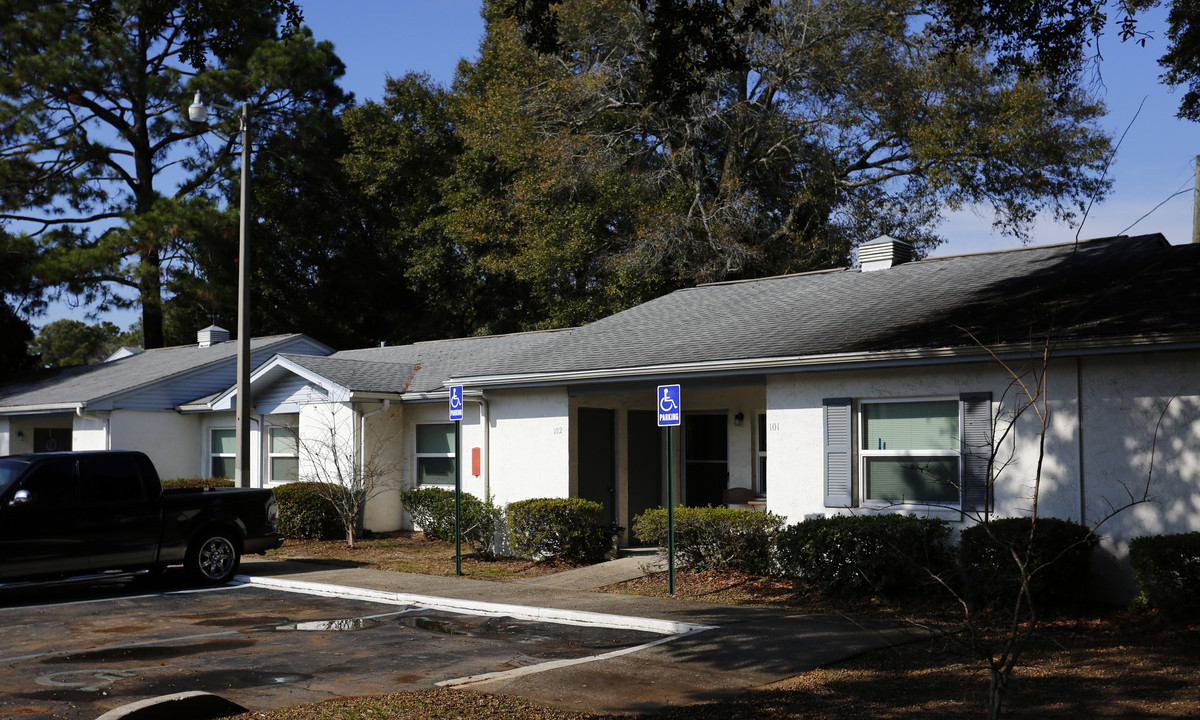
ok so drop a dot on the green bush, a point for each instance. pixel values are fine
(305, 513)
(432, 509)
(568, 528)
(1056, 556)
(196, 483)
(1167, 569)
(711, 538)
(863, 555)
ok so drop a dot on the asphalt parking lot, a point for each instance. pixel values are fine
(77, 652)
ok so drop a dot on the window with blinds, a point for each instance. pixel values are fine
(909, 452)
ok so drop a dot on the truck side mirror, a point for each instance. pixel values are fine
(20, 497)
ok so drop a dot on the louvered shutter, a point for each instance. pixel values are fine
(839, 453)
(976, 452)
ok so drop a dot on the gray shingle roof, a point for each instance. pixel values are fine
(437, 361)
(359, 375)
(88, 383)
(1099, 289)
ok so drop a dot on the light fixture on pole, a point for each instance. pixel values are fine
(198, 112)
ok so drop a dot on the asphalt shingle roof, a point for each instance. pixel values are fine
(359, 375)
(87, 383)
(1097, 289)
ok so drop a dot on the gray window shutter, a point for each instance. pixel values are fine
(839, 453)
(976, 452)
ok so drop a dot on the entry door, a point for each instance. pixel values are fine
(705, 459)
(597, 458)
(644, 444)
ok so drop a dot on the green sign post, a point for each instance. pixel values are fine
(670, 413)
(456, 414)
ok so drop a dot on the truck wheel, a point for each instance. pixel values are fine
(213, 558)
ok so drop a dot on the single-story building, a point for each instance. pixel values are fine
(958, 387)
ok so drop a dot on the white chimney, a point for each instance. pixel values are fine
(882, 253)
(211, 335)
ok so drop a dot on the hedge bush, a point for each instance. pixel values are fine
(568, 528)
(196, 483)
(1167, 570)
(432, 509)
(711, 538)
(305, 514)
(1059, 556)
(863, 555)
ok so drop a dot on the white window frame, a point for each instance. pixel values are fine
(270, 456)
(864, 453)
(419, 456)
(212, 453)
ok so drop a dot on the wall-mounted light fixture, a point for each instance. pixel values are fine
(20, 434)
(739, 419)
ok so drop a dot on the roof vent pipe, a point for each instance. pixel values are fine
(882, 253)
(211, 335)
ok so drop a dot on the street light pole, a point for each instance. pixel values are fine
(198, 112)
(242, 476)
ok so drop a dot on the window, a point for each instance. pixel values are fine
(283, 455)
(762, 453)
(222, 453)
(436, 460)
(909, 452)
(113, 480)
(51, 440)
(933, 451)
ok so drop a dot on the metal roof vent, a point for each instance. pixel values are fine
(882, 253)
(212, 335)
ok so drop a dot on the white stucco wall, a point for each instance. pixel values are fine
(795, 433)
(170, 439)
(530, 444)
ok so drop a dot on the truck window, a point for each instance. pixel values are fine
(52, 484)
(9, 471)
(113, 479)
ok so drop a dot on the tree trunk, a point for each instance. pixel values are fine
(997, 687)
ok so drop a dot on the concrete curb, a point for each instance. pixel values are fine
(474, 607)
(192, 705)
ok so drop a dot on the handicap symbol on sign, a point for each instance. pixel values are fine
(668, 405)
(456, 402)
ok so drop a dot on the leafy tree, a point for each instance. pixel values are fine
(66, 342)
(99, 162)
(17, 298)
(1058, 38)
(615, 150)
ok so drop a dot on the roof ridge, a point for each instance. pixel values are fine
(480, 337)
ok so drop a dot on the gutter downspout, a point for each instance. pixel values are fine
(485, 421)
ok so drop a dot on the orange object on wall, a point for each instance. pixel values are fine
(475, 464)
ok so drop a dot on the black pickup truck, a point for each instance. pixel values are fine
(86, 513)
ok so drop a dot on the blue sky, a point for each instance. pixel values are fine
(378, 38)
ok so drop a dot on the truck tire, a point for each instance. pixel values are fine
(213, 557)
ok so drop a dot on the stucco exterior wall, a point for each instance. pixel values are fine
(529, 443)
(169, 439)
(795, 433)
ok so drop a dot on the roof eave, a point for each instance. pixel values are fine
(43, 409)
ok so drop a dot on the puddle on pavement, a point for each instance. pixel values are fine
(442, 627)
(346, 625)
(148, 652)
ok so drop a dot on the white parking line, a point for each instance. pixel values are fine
(473, 607)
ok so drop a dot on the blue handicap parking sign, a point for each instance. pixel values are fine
(668, 405)
(456, 402)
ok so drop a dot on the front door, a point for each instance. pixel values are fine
(597, 458)
(705, 459)
(644, 442)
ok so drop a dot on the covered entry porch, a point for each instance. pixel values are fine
(619, 454)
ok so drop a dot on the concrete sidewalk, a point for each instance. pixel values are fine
(743, 648)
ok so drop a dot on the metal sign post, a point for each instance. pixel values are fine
(669, 415)
(456, 414)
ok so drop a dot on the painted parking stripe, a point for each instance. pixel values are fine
(473, 607)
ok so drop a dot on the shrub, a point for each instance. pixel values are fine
(305, 513)
(432, 509)
(1167, 569)
(568, 528)
(863, 555)
(1059, 554)
(196, 483)
(711, 538)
